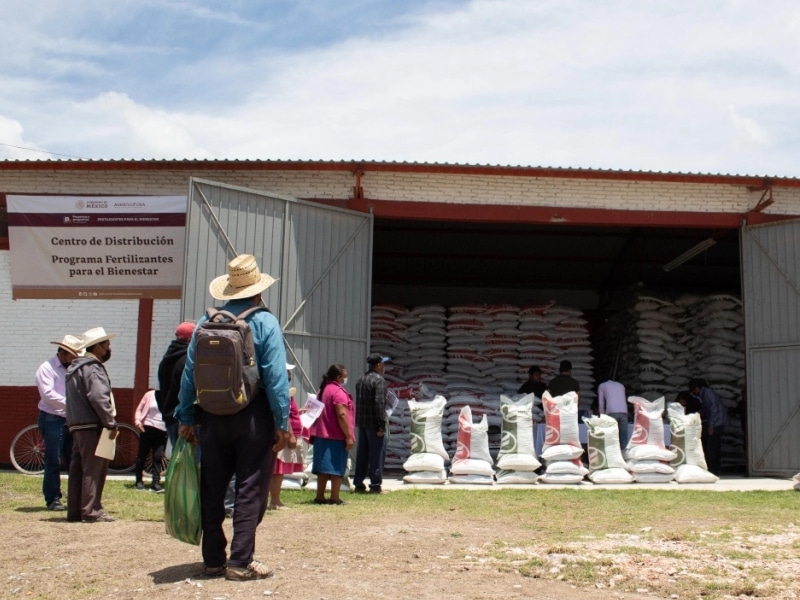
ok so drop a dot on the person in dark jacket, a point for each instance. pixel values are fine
(90, 409)
(563, 383)
(170, 371)
(372, 423)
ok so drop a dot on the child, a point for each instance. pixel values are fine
(152, 437)
(290, 459)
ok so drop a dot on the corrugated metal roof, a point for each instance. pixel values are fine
(404, 166)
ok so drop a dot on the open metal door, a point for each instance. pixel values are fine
(771, 297)
(321, 256)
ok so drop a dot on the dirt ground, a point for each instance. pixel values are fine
(316, 553)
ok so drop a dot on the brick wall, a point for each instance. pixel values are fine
(19, 410)
(419, 187)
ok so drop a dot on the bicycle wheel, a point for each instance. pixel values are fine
(148, 465)
(127, 449)
(27, 451)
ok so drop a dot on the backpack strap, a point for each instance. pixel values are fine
(245, 313)
(215, 316)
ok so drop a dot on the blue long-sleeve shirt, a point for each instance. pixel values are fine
(712, 410)
(271, 357)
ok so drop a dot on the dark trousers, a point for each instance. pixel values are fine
(155, 441)
(712, 448)
(57, 443)
(369, 458)
(240, 445)
(87, 477)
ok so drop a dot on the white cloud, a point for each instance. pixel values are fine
(679, 86)
(14, 146)
(748, 130)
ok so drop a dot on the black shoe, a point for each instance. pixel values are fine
(375, 490)
(56, 505)
(139, 486)
(360, 489)
(156, 488)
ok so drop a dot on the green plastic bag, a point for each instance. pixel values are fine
(182, 496)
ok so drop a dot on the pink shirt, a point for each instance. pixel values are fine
(294, 418)
(147, 412)
(327, 426)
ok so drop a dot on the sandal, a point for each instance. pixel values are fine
(337, 502)
(213, 571)
(255, 570)
(323, 501)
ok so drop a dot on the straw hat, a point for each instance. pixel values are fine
(95, 336)
(243, 280)
(71, 344)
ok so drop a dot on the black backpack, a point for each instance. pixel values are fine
(225, 368)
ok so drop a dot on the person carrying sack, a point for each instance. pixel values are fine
(242, 443)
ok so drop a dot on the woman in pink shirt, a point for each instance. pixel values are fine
(332, 434)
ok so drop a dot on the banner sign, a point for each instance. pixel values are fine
(96, 248)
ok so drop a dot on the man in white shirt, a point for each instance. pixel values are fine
(52, 422)
(611, 401)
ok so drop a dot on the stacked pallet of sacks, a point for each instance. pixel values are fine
(562, 446)
(606, 464)
(472, 462)
(646, 455)
(717, 349)
(426, 463)
(660, 344)
(516, 459)
(685, 441)
(472, 354)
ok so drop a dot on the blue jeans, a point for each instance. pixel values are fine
(57, 442)
(369, 458)
(622, 428)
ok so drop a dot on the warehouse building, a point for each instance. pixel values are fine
(467, 274)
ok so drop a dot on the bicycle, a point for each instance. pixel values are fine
(27, 451)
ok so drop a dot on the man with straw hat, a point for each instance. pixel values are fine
(90, 410)
(51, 379)
(243, 444)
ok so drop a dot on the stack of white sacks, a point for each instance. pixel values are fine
(647, 456)
(472, 462)
(516, 458)
(471, 354)
(606, 464)
(685, 441)
(562, 446)
(426, 462)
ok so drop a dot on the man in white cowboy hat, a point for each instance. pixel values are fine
(51, 379)
(243, 444)
(90, 408)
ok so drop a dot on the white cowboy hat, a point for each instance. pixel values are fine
(71, 344)
(95, 336)
(243, 280)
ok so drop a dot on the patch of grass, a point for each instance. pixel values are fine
(580, 572)
(535, 567)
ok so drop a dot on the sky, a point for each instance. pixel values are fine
(666, 86)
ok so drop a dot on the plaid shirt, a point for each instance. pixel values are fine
(371, 401)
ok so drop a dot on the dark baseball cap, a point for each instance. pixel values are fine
(375, 358)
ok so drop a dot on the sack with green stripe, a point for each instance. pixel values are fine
(182, 496)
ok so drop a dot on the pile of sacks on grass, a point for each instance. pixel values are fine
(647, 456)
(472, 462)
(516, 459)
(685, 441)
(606, 464)
(562, 448)
(425, 464)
